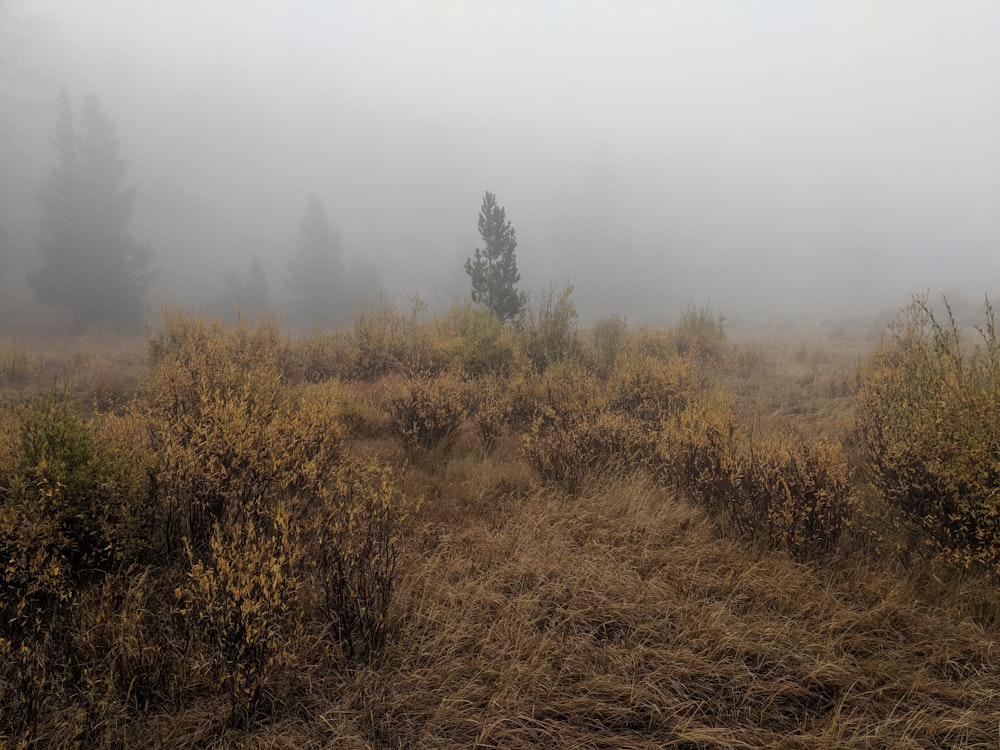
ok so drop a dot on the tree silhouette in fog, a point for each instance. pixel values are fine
(249, 293)
(91, 265)
(316, 271)
(493, 270)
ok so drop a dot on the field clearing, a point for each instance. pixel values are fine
(613, 612)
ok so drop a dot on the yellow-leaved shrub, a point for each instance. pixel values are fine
(794, 495)
(424, 410)
(929, 419)
(240, 599)
(226, 427)
(351, 533)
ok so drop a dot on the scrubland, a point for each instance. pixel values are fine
(439, 531)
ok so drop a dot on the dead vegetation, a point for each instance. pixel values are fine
(471, 554)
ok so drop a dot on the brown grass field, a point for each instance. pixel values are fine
(608, 604)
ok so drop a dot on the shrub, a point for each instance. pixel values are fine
(353, 534)
(324, 355)
(796, 497)
(69, 510)
(491, 409)
(481, 344)
(547, 329)
(572, 433)
(566, 448)
(227, 430)
(649, 389)
(608, 337)
(126, 650)
(241, 603)
(564, 387)
(929, 420)
(132, 469)
(700, 333)
(656, 343)
(699, 451)
(425, 410)
(386, 340)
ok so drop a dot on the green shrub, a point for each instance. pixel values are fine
(70, 509)
(929, 420)
(73, 509)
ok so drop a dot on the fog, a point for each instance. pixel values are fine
(781, 160)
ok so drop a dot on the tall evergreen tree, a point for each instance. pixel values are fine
(316, 272)
(493, 269)
(91, 266)
(249, 294)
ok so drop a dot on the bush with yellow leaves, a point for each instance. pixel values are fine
(71, 512)
(227, 429)
(651, 389)
(241, 602)
(566, 448)
(480, 343)
(491, 409)
(574, 435)
(796, 496)
(424, 410)
(352, 534)
(323, 354)
(387, 340)
(929, 419)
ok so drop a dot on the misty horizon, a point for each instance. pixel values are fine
(793, 160)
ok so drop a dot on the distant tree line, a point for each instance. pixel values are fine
(93, 268)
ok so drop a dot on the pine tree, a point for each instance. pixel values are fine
(493, 269)
(248, 294)
(91, 266)
(316, 272)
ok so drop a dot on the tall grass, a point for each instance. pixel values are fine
(620, 542)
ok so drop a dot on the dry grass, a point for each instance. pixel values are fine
(101, 372)
(623, 620)
(620, 617)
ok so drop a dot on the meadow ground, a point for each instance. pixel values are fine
(615, 610)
